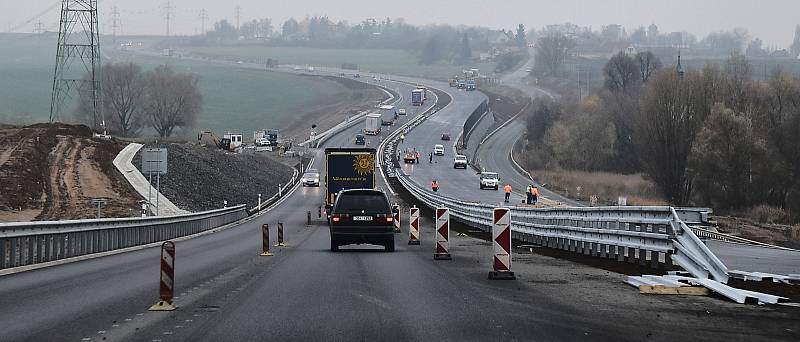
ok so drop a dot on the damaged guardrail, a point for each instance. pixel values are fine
(654, 236)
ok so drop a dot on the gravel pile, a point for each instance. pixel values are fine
(201, 178)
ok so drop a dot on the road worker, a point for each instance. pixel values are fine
(507, 189)
(535, 194)
(434, 185)
(529, 194)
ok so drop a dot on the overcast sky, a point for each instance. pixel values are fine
(771, 20)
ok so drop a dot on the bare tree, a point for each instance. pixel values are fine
(121, 97)
(665, 131)
(172, 100)
(552, 49)
(622, 74)
(648, 64)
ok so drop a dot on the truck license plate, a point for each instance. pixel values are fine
(362, 218)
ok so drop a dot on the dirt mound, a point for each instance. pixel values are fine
(201, 178)
(52, 171)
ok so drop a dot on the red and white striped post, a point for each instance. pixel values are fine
(501, 241)
(167, 279)
(396, 215)
(413, 226)
(265, 240)
(442, 234)
(280, 236)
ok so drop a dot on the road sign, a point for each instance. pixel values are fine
(154, 160)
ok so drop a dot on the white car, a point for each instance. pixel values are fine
(263, 142)
(401, 111)
(460, 161)
(438, 150)
(490, 180)
(310, 178)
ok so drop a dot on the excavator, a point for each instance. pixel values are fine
(206, 138)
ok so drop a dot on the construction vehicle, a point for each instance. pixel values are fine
(453, 82)
(229, 141)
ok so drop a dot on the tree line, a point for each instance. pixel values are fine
(131, 99)
(430, 44)
(711, 136)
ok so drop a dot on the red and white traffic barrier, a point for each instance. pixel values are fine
(501, 241)
(442, 234)
(413, 226)
(396, 215)
(265, 240)
(280, 236)
(167, 279)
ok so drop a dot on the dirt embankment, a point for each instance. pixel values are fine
(52, 171)
(356, 97)
(201, 178)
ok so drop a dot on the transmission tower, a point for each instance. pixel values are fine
(203, 18)
(114, 24)
(238, 16)
(78, 47)
(168, 15)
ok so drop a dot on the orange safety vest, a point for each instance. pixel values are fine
(507, 188)
(435, 185)
(535, 192)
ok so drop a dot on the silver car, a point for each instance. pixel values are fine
(310, 178)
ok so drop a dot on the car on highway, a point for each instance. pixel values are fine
(310, 178)
(360, 139)
(356, 75)
(446, 136)
(362, 216)
(401, 111)
(460, 161)
(438, 150)
(490, 180)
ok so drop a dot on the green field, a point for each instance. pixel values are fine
(234, 99)
(390, 61)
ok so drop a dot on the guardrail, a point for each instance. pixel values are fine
(27, 243)
(654, 236)
(283, 190)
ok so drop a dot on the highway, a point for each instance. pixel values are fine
(226, 291)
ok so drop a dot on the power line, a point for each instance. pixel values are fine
(35, 17)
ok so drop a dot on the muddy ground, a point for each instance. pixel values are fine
(201, 178)
(52, 171)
